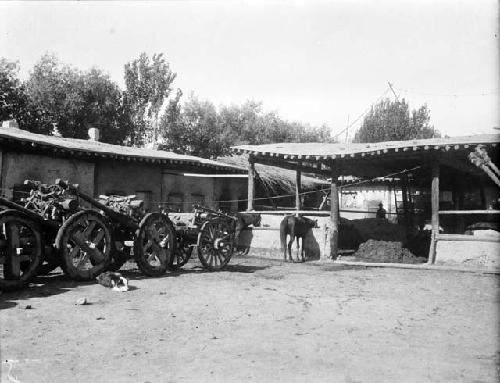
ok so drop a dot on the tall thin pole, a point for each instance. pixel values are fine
(251, 182)
(298, 186)
(334, 213)
(435, 211)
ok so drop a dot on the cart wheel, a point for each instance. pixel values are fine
(215, 244)
(182, 253)
(20, 249)
(154, 244)
(84, 242)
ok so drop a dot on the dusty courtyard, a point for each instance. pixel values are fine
(259, 321)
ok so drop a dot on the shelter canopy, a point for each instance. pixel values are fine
(370, 159)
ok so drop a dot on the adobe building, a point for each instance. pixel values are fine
(157, 177)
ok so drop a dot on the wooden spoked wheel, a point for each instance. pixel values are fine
(215, 244)
(182, 254)
(84, 243)
(154, 244)
(20, 249)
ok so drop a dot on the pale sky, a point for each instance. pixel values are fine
(311, 61)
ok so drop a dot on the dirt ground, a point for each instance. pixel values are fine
(259, 321)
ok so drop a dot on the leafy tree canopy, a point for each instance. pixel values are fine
(392, 121)
(147, 112)
(197, 131)
(202, 130)
(74, 101)
(148, 85)
(13, 99)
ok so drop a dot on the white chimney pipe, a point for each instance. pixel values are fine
(93, 134)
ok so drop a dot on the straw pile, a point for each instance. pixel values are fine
(275, 179)
(386, 251)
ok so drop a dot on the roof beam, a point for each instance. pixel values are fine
(292, 166)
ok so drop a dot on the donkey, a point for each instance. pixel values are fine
(243, 220)
(295, 227)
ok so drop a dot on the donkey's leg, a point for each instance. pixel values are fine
(292, 238)
(302, 250)
(285, 247)
(298, 248)
(290, 243)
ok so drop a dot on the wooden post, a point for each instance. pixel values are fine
(251, 182)
(298, 187)
(435, 210)
(404, 192)
(334, 214)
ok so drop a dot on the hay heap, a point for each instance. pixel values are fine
(378, 240)
(386, 251)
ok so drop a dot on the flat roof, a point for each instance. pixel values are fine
(325, 151)
(380, 159)
(60, 146)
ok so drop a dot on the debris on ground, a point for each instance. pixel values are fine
(386, 251)
(82, 301)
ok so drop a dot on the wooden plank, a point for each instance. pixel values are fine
(435, 211)
(290, 166)
(486, 211)
(464, 237)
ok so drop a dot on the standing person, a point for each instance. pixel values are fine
(381, 211)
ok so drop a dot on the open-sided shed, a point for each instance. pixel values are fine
(450, 160)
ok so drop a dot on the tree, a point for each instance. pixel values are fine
(243, 124)
(392, 121)
(13, 99)
(148, 86)
(103, 107)
(248, 124)
(74, 101)
(197, 132)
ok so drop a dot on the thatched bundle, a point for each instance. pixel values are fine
(274, 179)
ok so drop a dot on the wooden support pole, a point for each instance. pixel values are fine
(435, 211)
(251, 182)
(298, 186)
(334, 214)
(404, 192)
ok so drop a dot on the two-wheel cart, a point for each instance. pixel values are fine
(212, 233)
(28, 232)
(151, 235)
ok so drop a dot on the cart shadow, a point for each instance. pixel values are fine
(135, 274)
(41, 286)
(244, 269)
